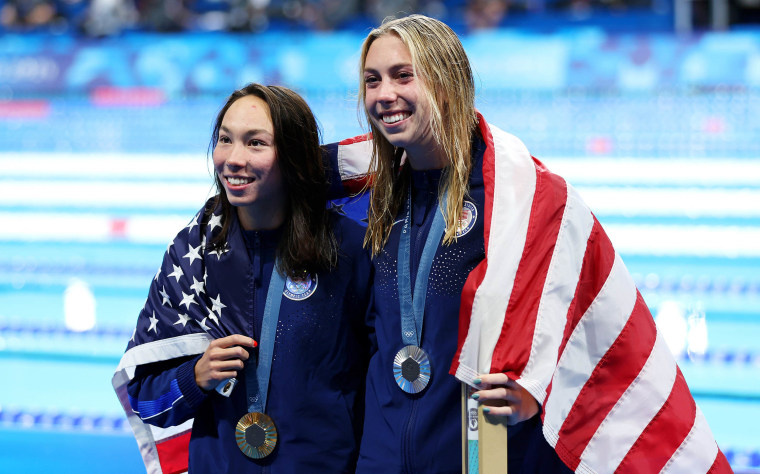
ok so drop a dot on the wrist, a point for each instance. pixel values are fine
(194, 395)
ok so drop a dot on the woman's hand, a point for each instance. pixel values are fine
(505, 397)
(222, 359)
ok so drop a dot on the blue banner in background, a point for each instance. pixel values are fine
(217, 63)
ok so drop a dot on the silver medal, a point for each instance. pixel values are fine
(411, 369)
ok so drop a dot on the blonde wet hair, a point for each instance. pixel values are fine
(445, 76)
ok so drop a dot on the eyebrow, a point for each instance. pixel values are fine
(393, 68)
(254, 131)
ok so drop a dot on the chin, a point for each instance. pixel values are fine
(237, 201)
(396, 139)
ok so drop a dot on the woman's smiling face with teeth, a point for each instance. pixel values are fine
(394, 98)
(245, 158)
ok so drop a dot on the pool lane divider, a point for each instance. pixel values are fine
(61, 421)
(740, 459)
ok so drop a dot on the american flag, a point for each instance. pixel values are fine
(554, 307)
(185, 310)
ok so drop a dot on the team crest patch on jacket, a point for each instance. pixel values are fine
(298, 289)
(467, 218)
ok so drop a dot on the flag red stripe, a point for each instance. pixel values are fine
(611, 377)
(596, 267)
(475, 278)
(721, 465)
(173, 453)
(515, 341)
(353, 186)
(359, 138)
(665, 433)
(623, 361)
(597, 264)
(489, 179)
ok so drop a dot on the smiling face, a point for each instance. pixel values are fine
(245, 159)
(396, 103)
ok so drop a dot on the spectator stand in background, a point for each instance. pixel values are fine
(56, 16)
(100, 18)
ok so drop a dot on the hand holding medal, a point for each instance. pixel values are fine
(222, 359)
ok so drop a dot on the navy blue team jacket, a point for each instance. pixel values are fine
(318, 370)
(421, 433)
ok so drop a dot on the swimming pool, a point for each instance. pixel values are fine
(87, 230)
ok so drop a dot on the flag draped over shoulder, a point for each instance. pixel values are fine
(554, 308)
(194, 292)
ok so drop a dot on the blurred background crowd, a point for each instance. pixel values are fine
(109, 17)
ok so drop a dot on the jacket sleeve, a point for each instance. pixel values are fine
(165, 393)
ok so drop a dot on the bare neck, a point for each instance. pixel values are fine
(263, 217)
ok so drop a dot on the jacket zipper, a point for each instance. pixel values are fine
(406, 447)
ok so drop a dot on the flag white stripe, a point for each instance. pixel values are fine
(589, 341)
(165, 349)
(143, 435)
(557, 294)
(633, 411)
(160, 434)
(698, 451)
(509, 228)
(354, 159)
(147, 435)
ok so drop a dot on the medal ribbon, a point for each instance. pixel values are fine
(257, 384)
(413, 310)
